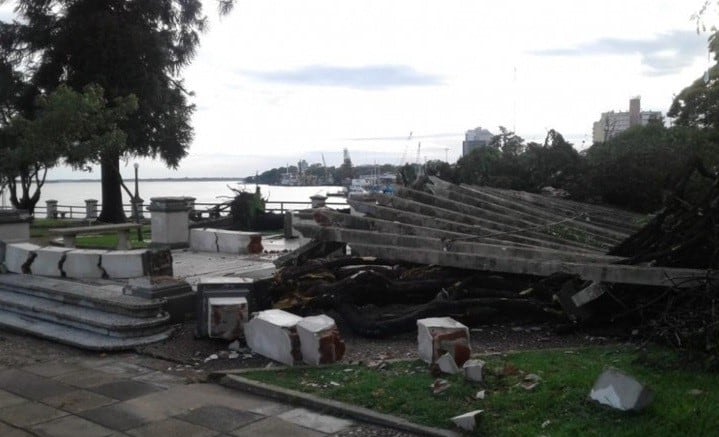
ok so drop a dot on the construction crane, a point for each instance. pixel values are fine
(327, 177)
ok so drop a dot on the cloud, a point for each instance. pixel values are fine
(666, 53)
(407, 137)
(371, 77)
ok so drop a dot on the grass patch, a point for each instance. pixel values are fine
(109, 241)
(402, 389)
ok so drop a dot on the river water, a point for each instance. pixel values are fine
(75, 193)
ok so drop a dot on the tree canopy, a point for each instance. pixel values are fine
(128, 47)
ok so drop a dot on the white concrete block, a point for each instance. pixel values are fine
(273, 334)
(203, 240)
(439, 335)
(468, 421)
(473, 370)
(18, 254)
(83, 264)
(621, 391)
(48, 260)
(236, 242)
(447, 365)
(226, 317)
(123, 264)
(320, 340)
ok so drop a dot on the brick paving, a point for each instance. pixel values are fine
(126, 395)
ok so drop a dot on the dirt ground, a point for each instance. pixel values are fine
(187, 352)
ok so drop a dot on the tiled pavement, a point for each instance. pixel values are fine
(128, 395)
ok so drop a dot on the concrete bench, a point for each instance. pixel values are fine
(122, 229)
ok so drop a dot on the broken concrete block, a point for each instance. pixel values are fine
(238, 242)
(468, 421)
(19, 256)
(621, 391)
(589, 293)
(48, 261)
(226, 316)
(473, 370)
(216, 287)
(446, 364)
(124, 264)
(83, 264)
(439, 335)
(273, 334)
(320, 340)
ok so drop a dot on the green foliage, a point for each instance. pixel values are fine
(636, 169)
(128, 48)
(67, 125)
(558, 406)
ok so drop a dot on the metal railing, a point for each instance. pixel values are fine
(203, 209)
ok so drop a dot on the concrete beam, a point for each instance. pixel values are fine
(655, 276)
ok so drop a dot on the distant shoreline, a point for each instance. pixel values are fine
(239, 180)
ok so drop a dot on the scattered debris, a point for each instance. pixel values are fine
(696, 392)
(473, 370)
(468, 421)
(621, 391)
(439, 385)
(447, 364)
(480, 395)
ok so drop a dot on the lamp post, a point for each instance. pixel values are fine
(136, 203)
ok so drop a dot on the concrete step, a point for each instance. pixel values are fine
(107, 298)
(73, 336)
(89, 319)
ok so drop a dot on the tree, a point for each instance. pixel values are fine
(70, 126)
(128, 47)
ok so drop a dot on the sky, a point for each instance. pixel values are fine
(394, 81)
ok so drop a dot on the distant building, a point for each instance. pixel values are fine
(476, 138)
(612, 123)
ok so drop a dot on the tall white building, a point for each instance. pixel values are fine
(612, 123)
(475, 138)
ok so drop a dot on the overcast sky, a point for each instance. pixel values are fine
(281, 80)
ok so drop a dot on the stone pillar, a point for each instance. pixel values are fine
(190, 202)
(90, 209)
(14, 226)
(51, 208)
(137, 206)
(318, 201)
(170, 223)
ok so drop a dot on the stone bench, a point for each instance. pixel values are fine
(122, 229)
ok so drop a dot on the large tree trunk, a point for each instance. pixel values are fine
(112, 211)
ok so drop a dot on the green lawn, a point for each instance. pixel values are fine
(557, 407)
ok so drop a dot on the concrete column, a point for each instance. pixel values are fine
(169, 222)
(318, 201)
(14, 226)
(90, 209)
(51, 208)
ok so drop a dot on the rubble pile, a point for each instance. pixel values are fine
(481, 254)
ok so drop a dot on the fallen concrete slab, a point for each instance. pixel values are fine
(273, 334)
(621, 391)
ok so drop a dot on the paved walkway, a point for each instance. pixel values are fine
(130, 395)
